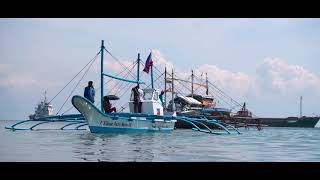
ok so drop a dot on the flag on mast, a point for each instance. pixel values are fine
(148, 64)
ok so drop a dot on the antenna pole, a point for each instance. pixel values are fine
(102, 50)
(45, 96)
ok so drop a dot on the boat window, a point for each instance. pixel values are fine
(147, 96)
(131, 96)
(156, 96)
(208, 99)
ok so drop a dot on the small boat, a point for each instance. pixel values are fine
(43, 109)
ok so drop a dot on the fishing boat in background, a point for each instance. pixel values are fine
(245, 116)
(43, 109)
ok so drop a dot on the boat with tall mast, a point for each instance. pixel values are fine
(152, 118)
(43, 109)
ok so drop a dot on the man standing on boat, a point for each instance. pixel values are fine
(137, 94)
(161, 98)
(140, 99)
(89, 92)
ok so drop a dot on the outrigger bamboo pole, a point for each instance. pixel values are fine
(102, 50)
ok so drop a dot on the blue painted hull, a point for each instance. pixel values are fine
(100, 122)
(97, 129)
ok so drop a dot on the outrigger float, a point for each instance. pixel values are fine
(152, 118)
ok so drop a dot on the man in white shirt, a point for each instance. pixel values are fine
(140, 99)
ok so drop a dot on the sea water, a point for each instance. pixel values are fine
(269, 144)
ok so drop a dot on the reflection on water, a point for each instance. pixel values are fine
(270, 144)
(115, 147)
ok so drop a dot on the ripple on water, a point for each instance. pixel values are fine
(270, 144)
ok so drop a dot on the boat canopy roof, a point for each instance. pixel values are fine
(188, 100)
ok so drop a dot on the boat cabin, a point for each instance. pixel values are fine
(151, 102)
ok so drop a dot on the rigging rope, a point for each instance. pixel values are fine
(98, 89)
(75, 76)
(76, 86)
(118, 61)
(120, 87)
(223, 93)
(122, 83)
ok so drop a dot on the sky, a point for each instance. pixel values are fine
(267, 63)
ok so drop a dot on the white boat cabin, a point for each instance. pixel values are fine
(151, 102)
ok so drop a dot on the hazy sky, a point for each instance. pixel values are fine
(268, 63)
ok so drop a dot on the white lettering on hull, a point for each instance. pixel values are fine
(115, 124)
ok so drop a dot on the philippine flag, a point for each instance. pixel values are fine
(148, 64)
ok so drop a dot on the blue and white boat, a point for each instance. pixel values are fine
(151, 119)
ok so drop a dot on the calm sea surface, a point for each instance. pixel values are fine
(270, 144)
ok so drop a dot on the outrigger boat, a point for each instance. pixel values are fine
(152, 118)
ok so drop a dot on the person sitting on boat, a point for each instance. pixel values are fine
(108, 106)
(89, 92)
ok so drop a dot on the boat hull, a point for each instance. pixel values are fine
(306, 122)
(100, 122)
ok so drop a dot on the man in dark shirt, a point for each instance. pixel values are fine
(135, 92)
(89, 92)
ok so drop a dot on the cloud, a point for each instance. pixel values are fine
(236, 83)
(10, 79)
(278, 76)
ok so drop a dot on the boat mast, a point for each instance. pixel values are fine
(138, 69)
(300, 106)
(45, 96)
(165, 87)
(192, 83)
(102, 49)
(151, 72)
(207, 90)
(172, 91)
